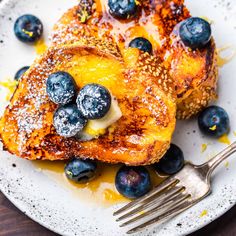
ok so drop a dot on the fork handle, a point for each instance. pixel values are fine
(219, 158)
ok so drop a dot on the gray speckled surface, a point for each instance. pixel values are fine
(54, 206)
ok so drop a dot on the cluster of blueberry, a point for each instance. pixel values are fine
(133, 182)
(130, 181)
(93, 102)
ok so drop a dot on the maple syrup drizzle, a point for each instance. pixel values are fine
(125, 30)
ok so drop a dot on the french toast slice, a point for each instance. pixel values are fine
(194, 72)
(140, 84)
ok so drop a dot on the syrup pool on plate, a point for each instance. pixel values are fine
(100, 191)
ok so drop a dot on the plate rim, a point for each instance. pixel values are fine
(17, 203)
(33, 217)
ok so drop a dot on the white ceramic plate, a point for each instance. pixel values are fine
(55, 207)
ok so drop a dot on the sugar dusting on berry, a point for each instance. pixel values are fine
(64, 126)
(94, 101)
(60, 87)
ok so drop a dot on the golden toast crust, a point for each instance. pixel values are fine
(140, 137)
(147, 95)
(194, 72)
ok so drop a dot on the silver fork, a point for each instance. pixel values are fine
(176, 194)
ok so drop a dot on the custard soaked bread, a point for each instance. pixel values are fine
(193, 71)
(96, 43)
(141, 86)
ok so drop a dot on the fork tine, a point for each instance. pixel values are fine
(162, 199)
(174, 202)
(165, 185)
(172, 212)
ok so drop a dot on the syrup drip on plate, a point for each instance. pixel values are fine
(223, 60)
(100, 191)
(224, 139)
(40, 47)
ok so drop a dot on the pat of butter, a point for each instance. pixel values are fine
(98, 127)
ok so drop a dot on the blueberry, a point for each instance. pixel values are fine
(61, 88)
(214, 121)
(28, 28)
(68, 121)
(142, 44)
(133, 182)
(171, 162)
(122, 9)
(195, 32)
(80, 171)
(20, 72)
(94, 101)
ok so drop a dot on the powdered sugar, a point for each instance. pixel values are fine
(28, 121)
